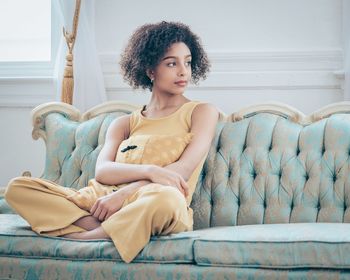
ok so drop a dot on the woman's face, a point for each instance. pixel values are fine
(173, 73)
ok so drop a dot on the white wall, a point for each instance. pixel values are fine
(19, 152)
(281, 50)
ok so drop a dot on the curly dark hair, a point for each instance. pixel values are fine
(149, 44)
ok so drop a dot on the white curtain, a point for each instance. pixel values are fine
(346, 45)
(89, 89)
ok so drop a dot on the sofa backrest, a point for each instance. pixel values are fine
(264, 166)
(73, 141)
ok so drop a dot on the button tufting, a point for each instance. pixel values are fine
(334, 177)
(306, 176)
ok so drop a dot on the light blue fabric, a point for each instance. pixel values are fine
(266, 169)
(48, 269)
(4, 207)
(263, 169)
(16, 239)
(303, 245)
(272, 194)
(72, 148)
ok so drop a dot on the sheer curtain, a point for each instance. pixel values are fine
(89, 89)
(346, 44)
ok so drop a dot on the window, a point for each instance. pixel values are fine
(30, 33)
(25, 30)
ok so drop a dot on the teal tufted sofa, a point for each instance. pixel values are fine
(272, 201)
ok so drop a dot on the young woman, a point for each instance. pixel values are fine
(128, 201)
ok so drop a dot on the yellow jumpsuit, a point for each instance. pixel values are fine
(154, 209)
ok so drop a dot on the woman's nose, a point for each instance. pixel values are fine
(182, 70)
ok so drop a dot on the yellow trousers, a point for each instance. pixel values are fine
(51, 209)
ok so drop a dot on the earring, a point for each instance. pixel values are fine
(152, 79)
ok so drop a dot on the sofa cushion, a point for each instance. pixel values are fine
(17, 239)
(4, 207)
(303, 245)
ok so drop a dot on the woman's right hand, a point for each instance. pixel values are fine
(167, 177)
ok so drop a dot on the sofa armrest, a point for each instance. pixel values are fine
(4, 207)
(74, 140)
(2, 191)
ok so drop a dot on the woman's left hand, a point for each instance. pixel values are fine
(107, 205)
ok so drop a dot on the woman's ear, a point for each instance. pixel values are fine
(150, 74)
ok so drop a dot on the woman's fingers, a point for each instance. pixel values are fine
(102, 215)
(184, 186)
(181, 190)
(93, 208)
(97, 212)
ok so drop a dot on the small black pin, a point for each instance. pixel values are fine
(128, 148)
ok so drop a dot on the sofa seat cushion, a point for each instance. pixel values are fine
(18, 240)
(302, 245)
(4, 207)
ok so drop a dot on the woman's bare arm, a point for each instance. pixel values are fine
(204, 119)
(108, 171)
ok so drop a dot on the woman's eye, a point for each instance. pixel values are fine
(188, 63)
(171, 64)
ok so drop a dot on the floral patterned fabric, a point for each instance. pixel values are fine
(299, 245)
(303, 246)
(266, 169)
(17, 239)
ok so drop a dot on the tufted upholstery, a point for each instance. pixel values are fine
(72, 147)
(264, 168)
(267, 169)
(268, 165)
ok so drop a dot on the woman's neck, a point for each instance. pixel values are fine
(161, 106)
(161, 102)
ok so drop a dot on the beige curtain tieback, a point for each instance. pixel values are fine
(68, 78)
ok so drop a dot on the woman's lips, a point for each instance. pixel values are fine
(181, 83)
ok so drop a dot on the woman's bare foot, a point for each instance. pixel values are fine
(88, 222)
(97, 233)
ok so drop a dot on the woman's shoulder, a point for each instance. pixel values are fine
(121, 124)
(201, 112)
(203, 109)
